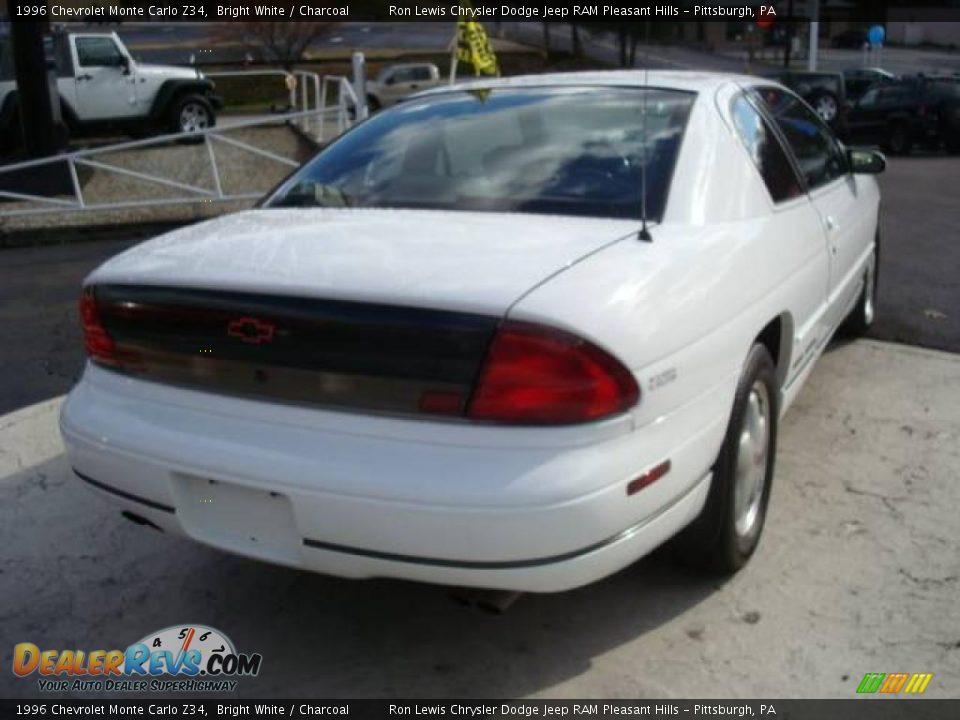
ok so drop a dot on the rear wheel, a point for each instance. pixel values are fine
(728, 529)
(898, 140)
(11, 137)
(950, 127)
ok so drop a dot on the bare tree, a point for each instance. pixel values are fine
(281, 42)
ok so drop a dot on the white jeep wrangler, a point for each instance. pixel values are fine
(102, 88)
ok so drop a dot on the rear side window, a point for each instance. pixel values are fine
(765, 149)
(402, 75)
(818, 154)
(422, 73)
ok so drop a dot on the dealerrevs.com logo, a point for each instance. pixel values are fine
(182, 658)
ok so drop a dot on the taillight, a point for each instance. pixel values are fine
(99, 344)
(542, 376)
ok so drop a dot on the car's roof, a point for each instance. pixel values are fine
(677, 79)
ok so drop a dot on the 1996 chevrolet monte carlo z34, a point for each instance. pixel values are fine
(513, 334)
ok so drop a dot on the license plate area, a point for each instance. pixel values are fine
(237, 518)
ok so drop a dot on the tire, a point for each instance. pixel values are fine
(950, 127)
(898, 140)
(826, 105)
(727, 532)
(11, 132)
(190, 112)
(861, 317)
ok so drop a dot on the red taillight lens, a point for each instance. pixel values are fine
(542, 376)
(99, 344)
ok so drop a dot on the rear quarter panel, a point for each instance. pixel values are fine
(683, 311)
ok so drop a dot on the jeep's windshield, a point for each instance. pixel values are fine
(570, 150)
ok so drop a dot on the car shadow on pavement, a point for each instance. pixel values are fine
(76, 575)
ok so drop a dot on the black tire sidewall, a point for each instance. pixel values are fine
(899, 129)
(738, 549)
(711, 541)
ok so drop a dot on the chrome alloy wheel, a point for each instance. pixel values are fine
(826, 108)
(753, 458)
(194, 116)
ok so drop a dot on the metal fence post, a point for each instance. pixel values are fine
(360, 84)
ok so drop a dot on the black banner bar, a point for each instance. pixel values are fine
(873, 708)
(448, 10)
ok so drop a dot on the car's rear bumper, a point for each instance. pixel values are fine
(523, 515)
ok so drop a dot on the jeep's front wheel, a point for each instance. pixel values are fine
(190, 113)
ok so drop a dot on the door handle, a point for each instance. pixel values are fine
(830, 222)
(84, 77)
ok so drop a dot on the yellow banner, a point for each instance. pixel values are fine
(473, 46)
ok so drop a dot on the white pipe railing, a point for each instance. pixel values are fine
(195, 193)
(304, 81)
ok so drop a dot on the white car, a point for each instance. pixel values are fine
(462, 346)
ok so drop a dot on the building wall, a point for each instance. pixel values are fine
(913, 26)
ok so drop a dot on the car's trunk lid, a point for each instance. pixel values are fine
(380, 311)
(473, 262)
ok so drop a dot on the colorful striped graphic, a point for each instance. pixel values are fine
(893, 683)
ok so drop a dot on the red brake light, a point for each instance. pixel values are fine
(99, 344)
(541, 376)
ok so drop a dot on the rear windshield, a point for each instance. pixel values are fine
(572, 151)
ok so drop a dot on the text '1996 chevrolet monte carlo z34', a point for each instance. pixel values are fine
(512, 334)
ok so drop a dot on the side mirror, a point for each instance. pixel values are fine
(864, 161)
(390, 80)
(125, 64)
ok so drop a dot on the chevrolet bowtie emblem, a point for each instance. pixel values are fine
(251, 330)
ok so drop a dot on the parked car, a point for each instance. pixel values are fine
(851, 38)
(914, 110)
(458, 345)
(825, 91)
(858, 80)
(395, 82)
(102, 88)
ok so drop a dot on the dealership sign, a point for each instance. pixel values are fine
(197, 657)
